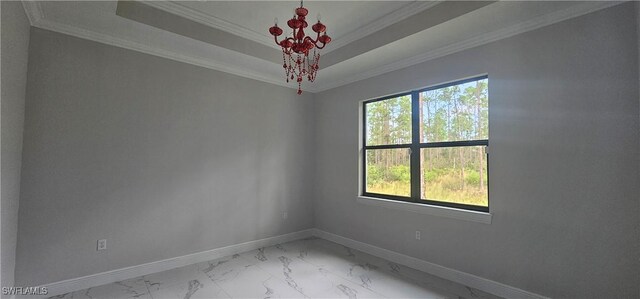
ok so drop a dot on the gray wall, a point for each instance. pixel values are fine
(15, 45)
(159, 157)
(564, 162)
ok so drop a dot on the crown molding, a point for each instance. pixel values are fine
(38, 19)
(34, 11)
(400, 14)
(240, 70)
(539, 22)
(209, 20)
(385, 21)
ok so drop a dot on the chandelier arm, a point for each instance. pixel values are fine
(308, 38)
(321, 47)
(288, 50)
(316, 41)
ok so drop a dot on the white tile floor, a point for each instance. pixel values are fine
(313, 268)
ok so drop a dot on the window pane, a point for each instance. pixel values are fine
(389, 121)
(454, 174)
(388, 172)
(455, 113)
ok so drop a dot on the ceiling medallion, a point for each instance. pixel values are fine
(299, 61)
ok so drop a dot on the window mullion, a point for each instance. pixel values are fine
(386, 146)
(364, 145)
(484, 142)
(415, 146)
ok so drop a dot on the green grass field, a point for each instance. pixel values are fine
(441, 185)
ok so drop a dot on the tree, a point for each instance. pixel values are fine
(452, 113)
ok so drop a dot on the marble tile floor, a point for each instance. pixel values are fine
(308, 268)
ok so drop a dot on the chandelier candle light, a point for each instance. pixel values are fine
(299, 61)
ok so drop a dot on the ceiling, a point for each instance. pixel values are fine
(369, 37)
(257, 16)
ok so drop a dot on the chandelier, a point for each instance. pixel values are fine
(299, 60)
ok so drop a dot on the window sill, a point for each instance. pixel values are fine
(459, 214)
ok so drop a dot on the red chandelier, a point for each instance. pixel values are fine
(298, 63)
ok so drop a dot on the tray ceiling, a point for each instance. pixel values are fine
(370, 37)
(345, 17)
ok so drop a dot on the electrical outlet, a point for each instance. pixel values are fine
(285, 215)
(102, 244)
(417, 235)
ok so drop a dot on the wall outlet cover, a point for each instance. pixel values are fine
(102, 244)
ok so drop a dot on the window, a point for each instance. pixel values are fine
(429, 146)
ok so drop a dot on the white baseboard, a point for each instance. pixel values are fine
(75, 284)
(466, 279)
